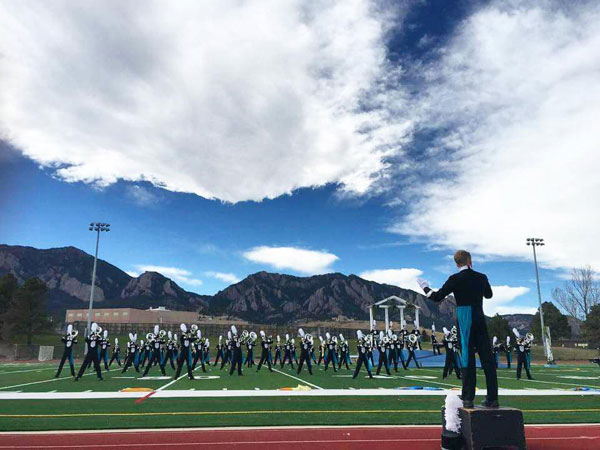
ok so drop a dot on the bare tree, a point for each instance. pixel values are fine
(580, 293)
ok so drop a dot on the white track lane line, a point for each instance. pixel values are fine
(296, 378)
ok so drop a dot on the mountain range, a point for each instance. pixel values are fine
(262, 297)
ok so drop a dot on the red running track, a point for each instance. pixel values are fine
(555, 437)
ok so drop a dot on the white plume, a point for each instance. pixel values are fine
(328, 336)
(94, 327)
(131, 337)
(301, 332)
(433, 327)
(446, 332)
(69, 328)
(287, 337)
(183, 328)
(207, 342)
(229, 335)
(116, 341)
(175, 336)
(169, 334)
(516, 332)
(156, 329)
(105, 334)
(233, 329)
(507, 340)
(495, 340)
(359, 334)
(381, 335)
(262, 334)
(453, 402)
(135, 337)
(278, 339)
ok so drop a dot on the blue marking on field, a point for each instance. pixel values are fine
(426, 358)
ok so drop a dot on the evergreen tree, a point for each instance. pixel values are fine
(553, 318)
(591, 327)
(26, 312)
(498, 326)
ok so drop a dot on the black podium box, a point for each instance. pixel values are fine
(491, 428)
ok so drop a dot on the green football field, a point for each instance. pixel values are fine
(32, 399)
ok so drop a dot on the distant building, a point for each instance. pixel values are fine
(130, 315)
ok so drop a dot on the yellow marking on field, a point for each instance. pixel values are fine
(214, 413)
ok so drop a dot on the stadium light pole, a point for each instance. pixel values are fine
(97, 227)
(537, 242)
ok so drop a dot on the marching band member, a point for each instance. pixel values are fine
(363, 349)
(496, 349)
(508, 352)
(237, 342)
(69, 339)
(171, 348)
(250, 349)
(451, 362)
(228, 350)
(382, 347)
(185, 344)
(146, 351)
(220, 351)
(417, 333)
(206, 351)
(265, 354)
(402, 338)
(293, 350)
(104, 344)
(394, 348)
(330, 357)
(434, 343)
(288, 352)
(197, 349)
(116, 354)
(92, 355)
(155, 341)
(322, 347)
(412, 344)
(131, 357)
(523, 348)
(344, 353)
(306, 343)
(469, 289)
(278, 352)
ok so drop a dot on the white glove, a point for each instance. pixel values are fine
(422, 283)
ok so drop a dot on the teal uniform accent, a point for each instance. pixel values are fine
(465, 320)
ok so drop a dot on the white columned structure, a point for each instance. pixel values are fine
(401, 308)
(417, 323)
(371, 318)
(387, 317)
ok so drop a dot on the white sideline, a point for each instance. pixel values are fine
(277, 393)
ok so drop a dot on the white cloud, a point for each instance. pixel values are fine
(502, 301)
(518, 87)
(405, 278)
(142, 196)
(132, 273)
(309, 262)
(223, 276)
(175, 273)
(227, 99)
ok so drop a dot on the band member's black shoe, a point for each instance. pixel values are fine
(468, 404)
(490, 404)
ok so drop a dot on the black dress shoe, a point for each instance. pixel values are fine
(490, 404)
(468, 404)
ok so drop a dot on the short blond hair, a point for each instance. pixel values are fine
(462, 258)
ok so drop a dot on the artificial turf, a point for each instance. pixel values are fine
(263, 411)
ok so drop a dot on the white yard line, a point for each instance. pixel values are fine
(28, 370)
(296, 378)
(43, 381)
(429, 381)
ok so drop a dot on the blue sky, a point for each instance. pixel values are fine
(359, 137)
